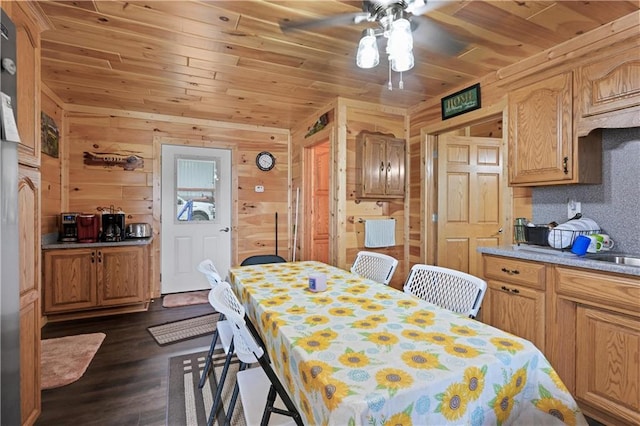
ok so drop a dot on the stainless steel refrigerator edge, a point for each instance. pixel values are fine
(9, 260)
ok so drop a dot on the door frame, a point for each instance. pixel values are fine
(429, 174)
(158, 141)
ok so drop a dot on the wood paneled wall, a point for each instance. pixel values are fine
(348, 119)
(51, 170)
(91, 187)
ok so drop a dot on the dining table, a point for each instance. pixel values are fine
(363, 353)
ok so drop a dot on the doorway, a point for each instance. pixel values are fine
(316, 201)
(196, 215)
(467, 197)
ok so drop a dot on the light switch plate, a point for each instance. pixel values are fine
(573, 208)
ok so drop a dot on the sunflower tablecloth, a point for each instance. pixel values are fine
(362, 353)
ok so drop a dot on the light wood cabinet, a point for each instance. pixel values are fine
(610, 84)
(380, 164)
(542, 147)
(515, 297)
(596, 346)
(28, 83)
(91, 278)
(30, 313)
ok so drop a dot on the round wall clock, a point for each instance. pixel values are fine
(265, 161)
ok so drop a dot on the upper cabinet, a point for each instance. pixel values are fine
(380, 161)
(609, 92)
(542, 147)
(28, 82)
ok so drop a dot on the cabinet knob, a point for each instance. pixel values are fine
(389, 167)
(382, 166)
(93, 257)
(565, 165)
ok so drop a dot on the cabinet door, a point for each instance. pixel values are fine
(540, 132)
(69, 280)
(610, 84)
(395, 167)
(607, 365)
(28, 82)
(121, 274)
(517, 310)
(374, 166)
(29, 238)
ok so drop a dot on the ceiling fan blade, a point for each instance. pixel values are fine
(434, 36)
(420, 7)
(332, 21)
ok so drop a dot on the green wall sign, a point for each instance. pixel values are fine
(460, 102)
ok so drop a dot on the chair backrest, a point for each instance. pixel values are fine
(224, 300)
(262, 259)
(450, 289)
(209, 270)
(376, 266)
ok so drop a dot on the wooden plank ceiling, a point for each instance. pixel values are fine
(230, 60)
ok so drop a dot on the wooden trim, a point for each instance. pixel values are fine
(73, 108)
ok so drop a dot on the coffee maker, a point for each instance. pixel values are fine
(113, 227)
(88, 228)
(69, 227)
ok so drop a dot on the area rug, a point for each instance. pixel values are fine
(177, 331)
(185, 299)
(64, 360)
(190, 406)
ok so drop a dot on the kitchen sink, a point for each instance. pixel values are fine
(617, 258)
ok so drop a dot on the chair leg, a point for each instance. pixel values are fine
(234, 397)
(218, 397)
(207, 364)
(271, 400)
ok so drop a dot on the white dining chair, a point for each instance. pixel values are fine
(454, 290)
(258, 387)
(376, 266)
(213, 276)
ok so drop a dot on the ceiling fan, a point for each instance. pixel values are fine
(380, 14)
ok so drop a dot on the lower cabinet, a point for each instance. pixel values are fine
(586, 322)
(515, 298)
(602, 312)
(92, 278)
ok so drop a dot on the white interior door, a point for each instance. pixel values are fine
(196, 215)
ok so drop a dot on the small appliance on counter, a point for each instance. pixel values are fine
(113, 227)
(88, 228)
(69, 227)
(138, 230)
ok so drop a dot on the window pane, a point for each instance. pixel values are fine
(196, 183)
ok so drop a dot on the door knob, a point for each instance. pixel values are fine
(227, 229)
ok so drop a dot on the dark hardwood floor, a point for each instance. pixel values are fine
(126, 383)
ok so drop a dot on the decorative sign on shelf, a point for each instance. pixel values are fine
(128, 160)
(461, 102)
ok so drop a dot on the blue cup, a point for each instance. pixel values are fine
(580, 245)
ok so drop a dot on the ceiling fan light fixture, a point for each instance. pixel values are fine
(402, 62)
(400, 38)
(368, 55)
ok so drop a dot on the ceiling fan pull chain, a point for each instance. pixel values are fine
(390, 84)
(401, 84)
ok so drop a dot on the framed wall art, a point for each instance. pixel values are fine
(50, 135)
(461, 102)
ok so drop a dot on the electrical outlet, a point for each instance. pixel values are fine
(259, 188)
(573, 208)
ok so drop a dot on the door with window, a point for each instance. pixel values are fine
(196, 215)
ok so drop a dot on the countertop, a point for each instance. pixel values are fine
(550, 255)
(50, 242)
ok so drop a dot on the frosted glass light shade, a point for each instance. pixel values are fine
(367, 56)
(402, 62)
(400, 38)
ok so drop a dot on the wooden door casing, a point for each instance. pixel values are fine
(470, 199)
